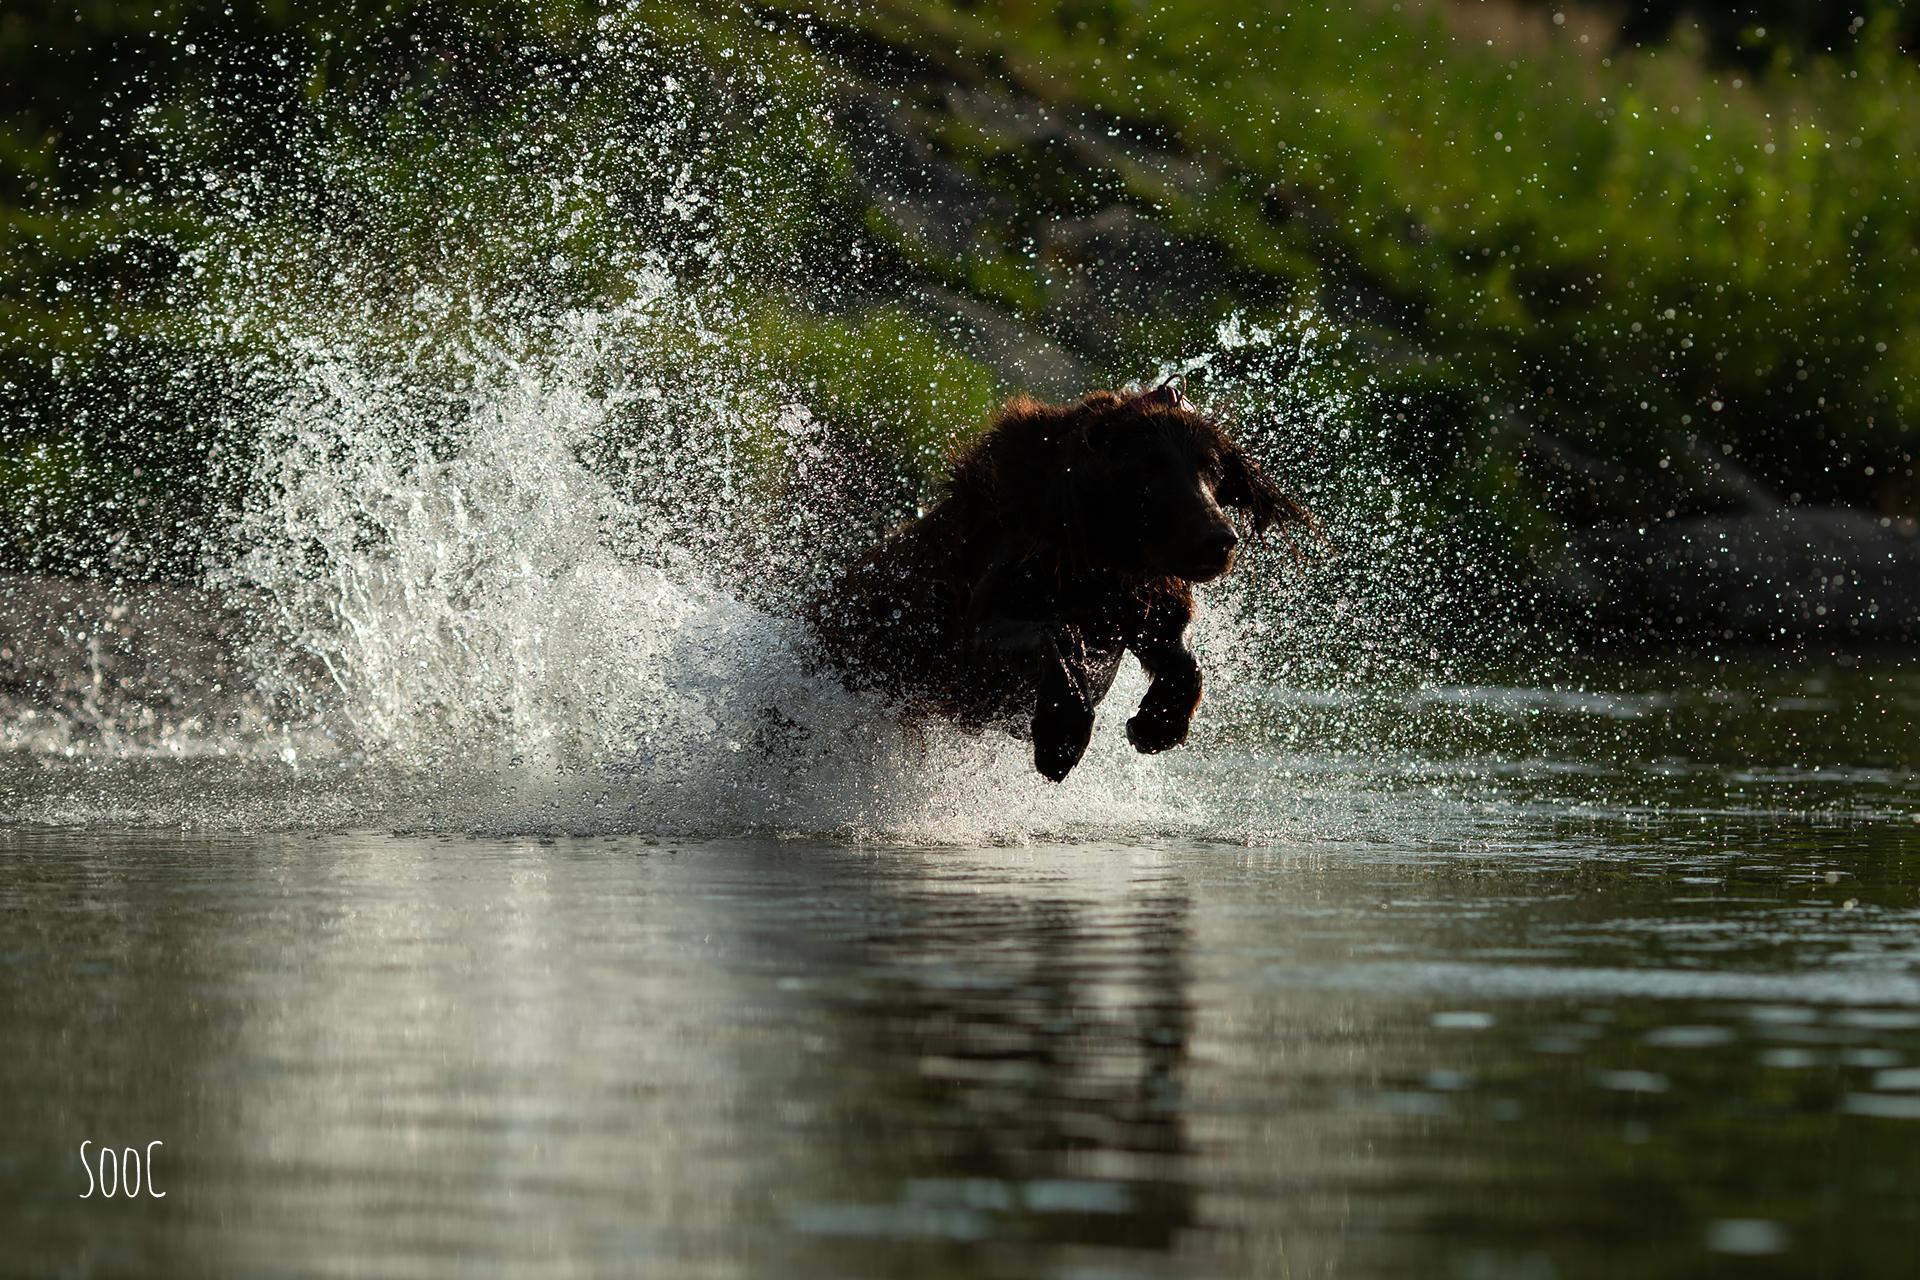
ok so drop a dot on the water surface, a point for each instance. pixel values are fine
(1571, 1017)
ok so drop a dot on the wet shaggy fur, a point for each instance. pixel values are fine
(1069, 535)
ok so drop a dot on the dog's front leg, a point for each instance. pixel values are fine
(1063, 718)
(1174, 693)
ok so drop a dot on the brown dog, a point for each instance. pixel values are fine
(1069, 534)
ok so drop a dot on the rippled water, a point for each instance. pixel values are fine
(1606, 1010)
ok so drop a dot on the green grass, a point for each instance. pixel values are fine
(1634, 252)
(1632, 249)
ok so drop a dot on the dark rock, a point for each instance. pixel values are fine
(139, 664)
(1103, 270)
(931, 202)
(1023, 358)
(1780, 575)
(1099, 147)
(1695, 480)
(1117, 265)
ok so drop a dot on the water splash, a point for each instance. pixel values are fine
(562, 607)
(521, 527)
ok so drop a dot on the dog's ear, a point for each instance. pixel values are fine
(1171, 394)
(1245, 486)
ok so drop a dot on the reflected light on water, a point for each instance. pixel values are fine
(406, 1055)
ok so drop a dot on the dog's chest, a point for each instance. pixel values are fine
(1100, 607)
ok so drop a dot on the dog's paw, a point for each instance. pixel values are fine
(1056, 763)
(1060, 736)
(1151, 734)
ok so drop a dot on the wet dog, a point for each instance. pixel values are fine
(1069, 535)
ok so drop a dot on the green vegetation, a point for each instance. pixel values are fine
(1627, 250)
(1704, 248)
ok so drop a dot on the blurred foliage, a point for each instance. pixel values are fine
(1704, 246)
(1753, 31)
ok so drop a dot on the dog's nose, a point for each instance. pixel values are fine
(1218, 543)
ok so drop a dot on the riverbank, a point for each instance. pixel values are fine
(1566, 285)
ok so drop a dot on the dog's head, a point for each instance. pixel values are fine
(1149, 481)
(1139, 484)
